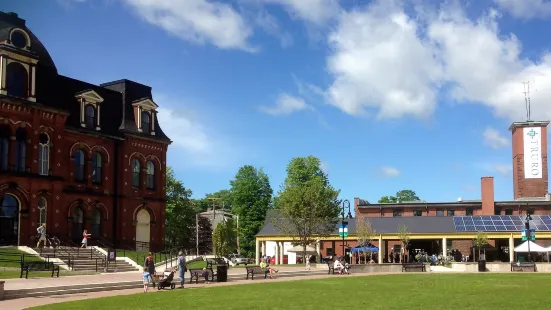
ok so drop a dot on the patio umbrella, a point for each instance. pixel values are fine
(299, 250)
(366, 248)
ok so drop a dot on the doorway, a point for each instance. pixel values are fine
(9, 220)
(143, 230)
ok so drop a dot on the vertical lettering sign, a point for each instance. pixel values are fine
(532, 153)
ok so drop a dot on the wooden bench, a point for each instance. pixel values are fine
(331, 267)
(197, 273)
(523, 266)
(413, 266)
(212, 263)
(38, 266)
(252, 270)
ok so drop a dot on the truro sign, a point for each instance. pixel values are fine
(532, 153)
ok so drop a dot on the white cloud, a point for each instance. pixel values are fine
(502, 169)
(313, 11)
(396, 64)
(270, 25)
(193, 144)
(286, 104)
(389, 172)
(494, 139)
(198, 21)
(526, 9)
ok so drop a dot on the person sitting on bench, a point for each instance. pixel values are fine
(206, 275)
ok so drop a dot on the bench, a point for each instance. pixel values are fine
(38, 266)
(216, 261)
(331, 266)
(412, 266)
(196, 273)
(252, 270)
(523, 266)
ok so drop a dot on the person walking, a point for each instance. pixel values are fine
(182, 268)
(85, 236)
(42, 235)
(150, 266)
(146, 277)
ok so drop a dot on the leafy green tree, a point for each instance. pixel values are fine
(205, 237)
(366, 235)
(224, 238)
(180, 213)
(404, 236)
(308, 204)
(224, 201)
(480, 241)
(251, 197)
(401, 196)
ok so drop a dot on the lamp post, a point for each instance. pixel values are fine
(528, 237)
(345, 205)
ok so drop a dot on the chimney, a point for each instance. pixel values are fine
(487, 188)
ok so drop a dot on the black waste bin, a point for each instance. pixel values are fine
(221, 273)
(481, 265)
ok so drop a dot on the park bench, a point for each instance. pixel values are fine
(413, 266)
(38, 266)
(216, 261)
(252, 270)
(523, 266)
(195, 273)
(331, 267)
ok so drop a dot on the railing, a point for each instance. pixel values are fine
(23, 259)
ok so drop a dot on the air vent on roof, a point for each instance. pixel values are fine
(459, 199)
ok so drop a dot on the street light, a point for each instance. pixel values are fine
(527, 227)
(345, 205)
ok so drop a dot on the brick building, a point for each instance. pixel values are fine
(75, 155)
(437, 227)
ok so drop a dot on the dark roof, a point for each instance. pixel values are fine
(9, 21)
(421, 204)
(385, 225)
(58, 92)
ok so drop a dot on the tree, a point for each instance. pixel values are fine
(480, 241)
(205, 237)
(308, 204)
(401, 196)
(403, 235)
(251, 195)
(365, 234)
(224, 201)
(224, 238)
(180, 213)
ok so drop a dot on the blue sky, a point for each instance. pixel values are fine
(390, 95)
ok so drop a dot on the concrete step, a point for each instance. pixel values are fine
(74, 289)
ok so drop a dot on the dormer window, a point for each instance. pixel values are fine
(144, 112)
(146, 122)
(90, 116)
(17, 81)
(90, 105)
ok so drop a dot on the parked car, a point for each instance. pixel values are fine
(238, 259)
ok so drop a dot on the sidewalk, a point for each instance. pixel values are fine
(23, 303)
(15, 284)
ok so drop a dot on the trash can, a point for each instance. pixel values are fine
(481, 266)
(221, 273)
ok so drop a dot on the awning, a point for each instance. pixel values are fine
(299, 250)
(366, 248)
(523, 248)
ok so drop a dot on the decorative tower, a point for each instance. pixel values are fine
(529, 142)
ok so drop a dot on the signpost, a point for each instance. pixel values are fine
(343, 231)
(532, 234)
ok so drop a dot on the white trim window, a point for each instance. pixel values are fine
(43, 154)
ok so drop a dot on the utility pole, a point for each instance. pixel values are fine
(238, 247)
(213, 199)
(197, 233)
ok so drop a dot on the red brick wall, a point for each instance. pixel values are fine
(63, 194)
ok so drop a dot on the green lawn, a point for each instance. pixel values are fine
(10, 257)
(405, 291)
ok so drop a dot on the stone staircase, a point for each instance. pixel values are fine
(89, 260)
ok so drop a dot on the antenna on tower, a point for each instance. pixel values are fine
(527, 100)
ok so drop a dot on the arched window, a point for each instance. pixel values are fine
(4, 147)
(43, 154)
(90, 116)
(9, 218)
(79, 166)
(150, 175)
(78, 223)
(96, 168)
(146, 122)
(42, 205)
(20, 150)
(136, 167)
(17, 81)
(96, 223)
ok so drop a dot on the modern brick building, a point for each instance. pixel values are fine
(75, 155)
(437, 227)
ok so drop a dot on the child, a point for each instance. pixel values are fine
(206, 275)
(146, 279)
(85, 236)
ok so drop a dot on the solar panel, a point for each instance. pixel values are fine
(501, 223)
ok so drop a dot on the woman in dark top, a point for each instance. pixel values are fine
(150, 266)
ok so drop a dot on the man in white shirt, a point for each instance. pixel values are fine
(41, 230)
(338, 266)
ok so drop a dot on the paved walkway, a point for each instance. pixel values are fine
(23, 303)
(13, 284)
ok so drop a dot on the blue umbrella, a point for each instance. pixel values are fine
(366, 248)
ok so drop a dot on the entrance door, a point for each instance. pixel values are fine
(9, 220)
(78, 225)
(142, 231)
